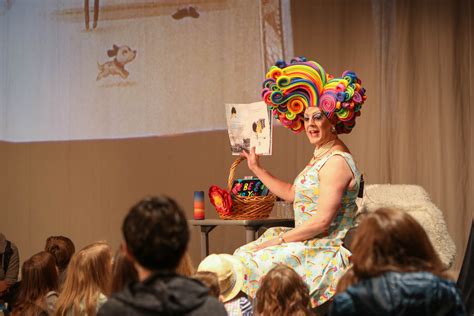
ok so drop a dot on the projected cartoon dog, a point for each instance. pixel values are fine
(121, 56)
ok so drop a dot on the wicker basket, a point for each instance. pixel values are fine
(247, 207)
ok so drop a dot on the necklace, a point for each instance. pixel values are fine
(324, 149)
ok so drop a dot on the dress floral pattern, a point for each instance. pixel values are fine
(320, 261)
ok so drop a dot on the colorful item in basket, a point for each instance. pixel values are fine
(289, 89)
(249, 187)
(221, 200)
(199, 205)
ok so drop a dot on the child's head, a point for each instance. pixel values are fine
(210, 280)
(229, 271)
(87, 277)
(392, 240)
(282, 292)
(62, 248)
(39, 276)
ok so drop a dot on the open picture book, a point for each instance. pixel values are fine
(249, 125)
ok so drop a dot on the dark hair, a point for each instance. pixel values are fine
(123, 272)
(283, 292)
(390, 240)
(210, 280)
(39, 276)
(156, 233)
(62, 248)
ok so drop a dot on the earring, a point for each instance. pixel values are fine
(333, 130)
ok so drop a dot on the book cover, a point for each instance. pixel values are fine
(249, 187)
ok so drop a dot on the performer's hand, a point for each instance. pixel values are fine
(252, 159)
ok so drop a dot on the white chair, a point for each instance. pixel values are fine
(414, 200)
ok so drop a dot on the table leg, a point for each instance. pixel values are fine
(250, 232)
(205, 230)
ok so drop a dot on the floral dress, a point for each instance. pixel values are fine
(320, 261)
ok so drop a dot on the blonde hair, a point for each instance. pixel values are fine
(283, 292)
(87, 277)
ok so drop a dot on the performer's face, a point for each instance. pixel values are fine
(317, 126)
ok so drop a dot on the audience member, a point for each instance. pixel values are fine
(156, 235)
(62, 248)
(395, 271)
(123, 272)
(87, 281)
(186, 266)
(38, 286)
(229, 271)
(210, 280)
(10, 266)
(282, 292)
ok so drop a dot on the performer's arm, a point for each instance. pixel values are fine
(280, 188)
(334, 178)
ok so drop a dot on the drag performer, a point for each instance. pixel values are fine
(304, 97)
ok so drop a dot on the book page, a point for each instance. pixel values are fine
(249, 125)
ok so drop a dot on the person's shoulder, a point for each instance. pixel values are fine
(14, 250)
(112, 306)
(342, 305)
(210, 306)
(337, 163)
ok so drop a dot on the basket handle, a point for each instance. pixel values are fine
(232, 172)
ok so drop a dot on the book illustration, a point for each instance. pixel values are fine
(249, 125)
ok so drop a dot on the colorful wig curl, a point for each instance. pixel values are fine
(289, 89)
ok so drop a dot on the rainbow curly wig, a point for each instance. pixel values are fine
(289, 89)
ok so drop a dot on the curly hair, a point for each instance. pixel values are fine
(156, 233)
(290, 89)
(283, 292)
(390, 240)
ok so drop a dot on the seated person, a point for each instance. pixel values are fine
(305, 98)
(87, 282)
(37, 294)
(282, 292)
(395, 271)
(9, 268)
(229, 271)
(156, 235)
(62, 248)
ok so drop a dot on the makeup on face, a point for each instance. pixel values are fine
(317, 126)
(314, 117)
